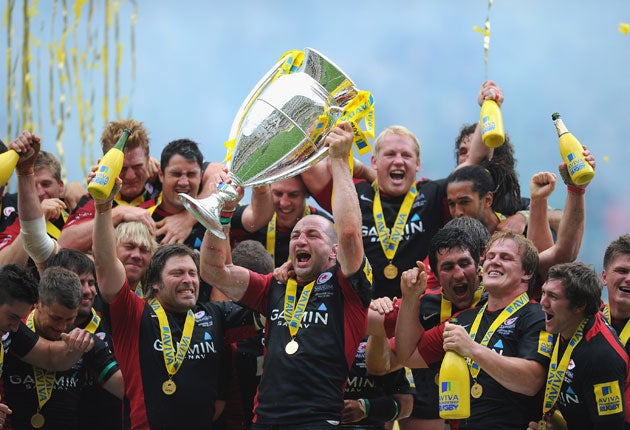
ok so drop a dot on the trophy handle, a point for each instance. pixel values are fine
(208, 211)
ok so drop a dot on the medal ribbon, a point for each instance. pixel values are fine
(293, 313)
(172, 360)
(138, 290)
(94, 322)
(44, 380)
(390, 242)
(556, 373)
(625, 333)
(271, 233)
(1, 356)
(446, 307)
(516, 304)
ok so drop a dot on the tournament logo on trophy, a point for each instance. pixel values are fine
(280, 128)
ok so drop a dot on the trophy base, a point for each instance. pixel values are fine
(207, 214)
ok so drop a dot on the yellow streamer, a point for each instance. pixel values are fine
(624, 28)
(486, 39)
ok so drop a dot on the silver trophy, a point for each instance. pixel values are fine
(279, 130)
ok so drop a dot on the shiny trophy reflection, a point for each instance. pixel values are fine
(279, 130)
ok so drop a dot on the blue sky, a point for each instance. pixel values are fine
(197, 60)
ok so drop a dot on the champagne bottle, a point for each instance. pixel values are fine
(8, 161)
(454, 387)
(572, 153)
(492, 132)
(100, 187)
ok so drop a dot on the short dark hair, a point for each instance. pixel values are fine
(73, 260)
(252, 255)
(184, 147)
(582, 286)
(621, 245)
(448, 238)
(476, 229)
(60, 285)
(158, 260)
(17, 285)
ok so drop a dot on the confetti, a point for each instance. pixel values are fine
(624, 28)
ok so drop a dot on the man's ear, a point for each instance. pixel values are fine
(333, 252)
(488, 199)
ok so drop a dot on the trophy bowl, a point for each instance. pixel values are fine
(279, 130)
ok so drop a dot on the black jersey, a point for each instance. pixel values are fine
(61, 411)
(594, 391)
(362, 385)
(522, 335)
(307, 387)
(95, 400)
(425, 219)
(138, 347)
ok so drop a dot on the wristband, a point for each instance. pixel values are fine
(384, 408)
(225, 220)
(103, 207)
(525, 214)
(364, 404)
(576, 190)
(29, 173)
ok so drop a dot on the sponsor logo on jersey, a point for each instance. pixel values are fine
(316, 317)
(608, 398)
(545, 343)
(196, 351)
(414, 225)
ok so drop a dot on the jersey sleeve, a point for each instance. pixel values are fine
(84, 211)
(21, 342)
(257, 292)
(101, 361)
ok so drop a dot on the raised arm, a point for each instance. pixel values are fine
(413, 282)
(216, 266)
(259, 212)
(33, 236)
(346, 211)
(110, 272)
(541, 186)
(571, 230)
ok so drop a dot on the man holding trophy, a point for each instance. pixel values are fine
(316, 321)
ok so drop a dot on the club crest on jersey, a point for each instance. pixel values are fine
(324, 277)
(571, 365)
(199, 315)
(510, 321)
(8, 211)
(100, 335)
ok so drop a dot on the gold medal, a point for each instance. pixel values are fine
(38, 420)
(390, 271)
(169, 387)
(437, 379)
(542, 424)
(291, 347)
(476, 390)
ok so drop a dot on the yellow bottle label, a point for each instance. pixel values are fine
(108, 170)
(492, 132)
(571, 150)
(454, 387)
